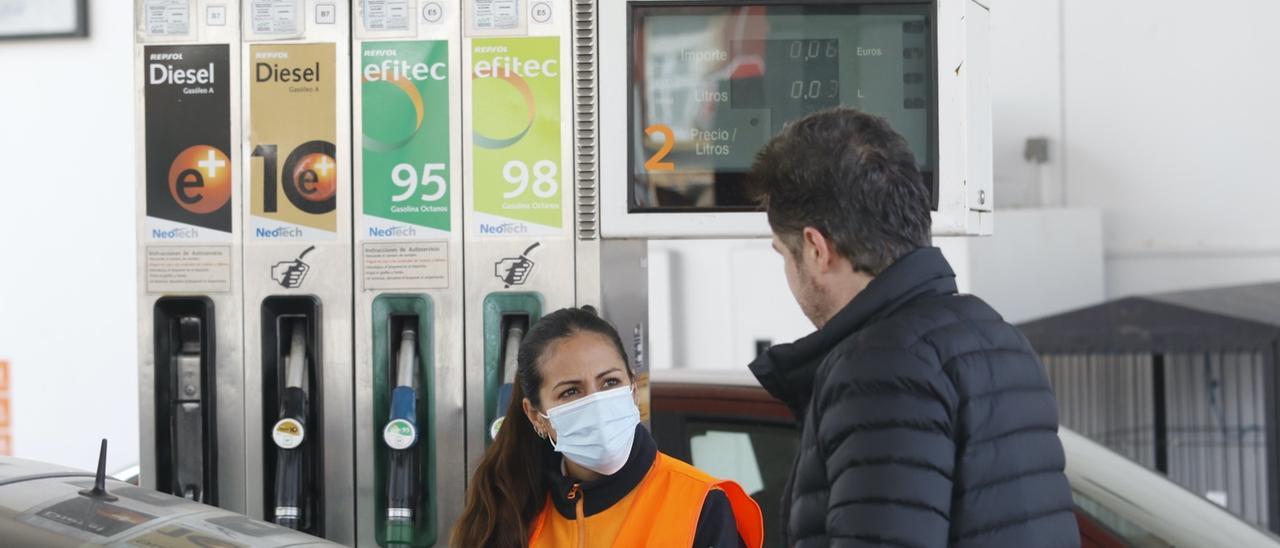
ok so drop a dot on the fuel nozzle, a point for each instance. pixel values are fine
(187, 424)
(515, 329)
(400, 435)
(289, 434)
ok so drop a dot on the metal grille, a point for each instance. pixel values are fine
(584, 106)
(1214, 415)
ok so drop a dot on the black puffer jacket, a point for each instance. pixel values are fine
(926, 421)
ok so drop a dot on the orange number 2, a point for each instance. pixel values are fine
(655, 163)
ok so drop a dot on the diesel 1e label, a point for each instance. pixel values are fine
(293, 175)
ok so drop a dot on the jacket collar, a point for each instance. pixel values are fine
(599, 495)
(787, 370)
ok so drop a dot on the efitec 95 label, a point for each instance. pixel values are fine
(406, 176)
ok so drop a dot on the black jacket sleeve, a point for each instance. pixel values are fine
(885, 434)
(717, 527)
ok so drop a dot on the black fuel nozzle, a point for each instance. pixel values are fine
(289, 434)
(188, 409)
(401, 435)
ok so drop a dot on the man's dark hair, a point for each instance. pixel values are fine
(852, 177)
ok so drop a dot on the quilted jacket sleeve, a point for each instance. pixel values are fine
(885, 432)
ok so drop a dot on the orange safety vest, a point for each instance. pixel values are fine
(662, 511)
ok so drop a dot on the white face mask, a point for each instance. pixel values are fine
(597, 431)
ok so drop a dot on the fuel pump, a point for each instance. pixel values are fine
(297, 265)
(519, 213)
(305, 358)
(189, 243)
(676, 97)
(405, 71)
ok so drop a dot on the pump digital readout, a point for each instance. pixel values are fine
(710, 85)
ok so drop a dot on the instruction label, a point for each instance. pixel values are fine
(189, 167)
(495, 14)
(518, 177)
(405, 265)
(293, 184)
(387, 15)
(274, 17)
(167, 17)
(195, 269)
(406, 173)
(87, 519)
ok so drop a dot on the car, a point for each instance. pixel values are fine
(48, 505)
(726, 424)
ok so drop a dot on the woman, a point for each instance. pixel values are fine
(573, 466)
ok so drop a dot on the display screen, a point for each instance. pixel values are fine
(710, 85)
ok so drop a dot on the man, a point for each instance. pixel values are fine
(926, 420)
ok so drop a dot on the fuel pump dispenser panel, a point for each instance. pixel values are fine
(403, 429)
(185, 425)
(711, 84)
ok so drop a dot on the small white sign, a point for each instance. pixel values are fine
(540, 12)
(167, 17)
(433, 12)
(399, 434)
(188, 269)
(216, 16)
(326, 14)
(381, 15)
(405, 265)
(274, 17)
(495, 14)
(288, 434)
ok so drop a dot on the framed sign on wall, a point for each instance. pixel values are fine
(21, 19)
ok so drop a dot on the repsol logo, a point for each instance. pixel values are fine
(393, 232)
(174, 234)
(282, 232)
(504, 228)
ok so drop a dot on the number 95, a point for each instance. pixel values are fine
(404, 176)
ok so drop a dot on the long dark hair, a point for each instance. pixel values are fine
(508, 489)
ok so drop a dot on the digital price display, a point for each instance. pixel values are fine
(710, 85)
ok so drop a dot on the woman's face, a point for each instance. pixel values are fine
(573, 368)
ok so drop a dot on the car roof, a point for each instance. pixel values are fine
(1150, 500)
(721, 377)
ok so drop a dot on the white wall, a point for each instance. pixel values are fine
(1161, 114)
(1026, 101)
(710, 301)
(66, 242)
(1040, 262)
(1171, 129)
